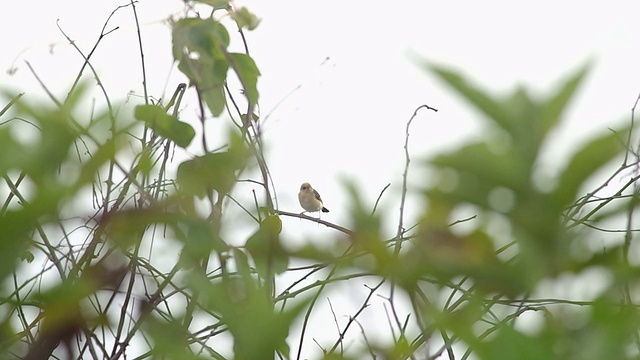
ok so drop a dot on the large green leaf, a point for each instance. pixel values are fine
(586, 161)
(16, 229)
(245, 18)
(170, 338)
(478, 162)
(491, 107)
(213, 171)
(526, 136)
(200, 47)
(554, 107)
(200, 36)
(248, 73)
(212, 79)
(244, 305)
(266, 249)
(508, 344)
(165, 125)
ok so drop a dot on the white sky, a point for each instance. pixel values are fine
(347, 119)
(348, 116)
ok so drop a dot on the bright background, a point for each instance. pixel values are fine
(341, 79)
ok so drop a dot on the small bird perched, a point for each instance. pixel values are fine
(310, 200)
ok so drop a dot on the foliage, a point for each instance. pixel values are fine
(146, 271)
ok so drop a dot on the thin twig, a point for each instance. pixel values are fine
(142, 62)
(375, 206)
(365, 304)
(405, 176)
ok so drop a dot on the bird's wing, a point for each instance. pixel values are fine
(315, 193)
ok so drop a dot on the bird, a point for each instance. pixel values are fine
(310, 200)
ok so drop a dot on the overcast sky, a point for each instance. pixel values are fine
(355, 65)
(349, 75)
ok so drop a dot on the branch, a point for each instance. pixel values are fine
(365, 304)
(319, 221)
(404, 175)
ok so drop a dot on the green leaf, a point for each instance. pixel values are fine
(209, 76)
(170, 338)
(248, 73)
(477, 163)
(200, 36)
(101, 156)
(211, 85)
(510, 344)
(479, 98)
(179, 38)
(247, 310)
(526, 135)
(216, 4)
(16, 227)
(42, 158)
(609, 333)
(200, 239)
(367, 234)
(27, 256)
(245, 19)
(200, 47)
(165, 125)
(266, 250)
(586, 161)
(554, 107)
(217, 171)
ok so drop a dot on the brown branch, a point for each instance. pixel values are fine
(319, 221)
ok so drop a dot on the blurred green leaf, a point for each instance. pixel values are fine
(480, 99)
(526, 135)
(218, 171)
(508, 344)
(245, 19)
(243, 304)
(586, 161)
(165, 125)
(508, 166)
(209, 75)
(106, 152)
(216, 100)
(27, 256)
(217, 4)
(215, 171)
(478, 163)
(367, 235)
(200, 240)
(439, 254)
(12, 149)
(42, 158)
(266, 250)
(528, 122)
(609, 333)
(16, 226)
(199, 36)
(170, 339)
(553, 109)
(200, 47)
(248, 73)
(145, 162)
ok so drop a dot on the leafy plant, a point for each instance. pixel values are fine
(112, 247)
